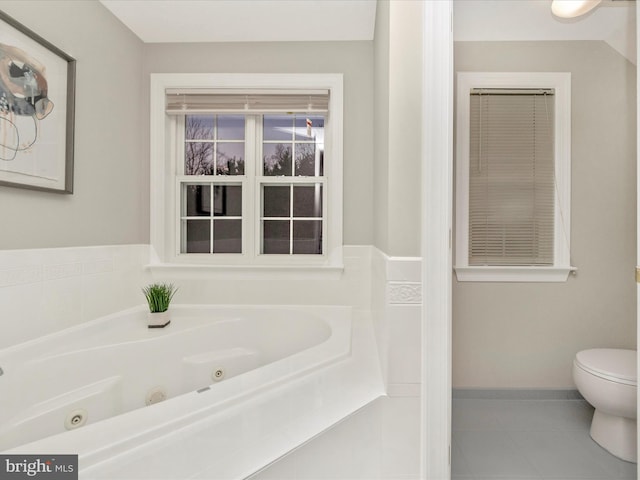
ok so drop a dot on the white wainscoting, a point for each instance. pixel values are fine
(46, 290)
(396, 306)
(230, 285)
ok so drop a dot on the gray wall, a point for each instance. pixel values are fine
(353, 59)
(110, 202)
(398, 126)
(526, 335)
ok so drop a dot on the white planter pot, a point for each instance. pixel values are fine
(159, 319)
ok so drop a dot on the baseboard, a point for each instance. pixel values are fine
(517, 394)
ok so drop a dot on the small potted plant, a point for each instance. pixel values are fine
(159, 297)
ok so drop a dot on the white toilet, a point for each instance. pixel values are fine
(607, 378)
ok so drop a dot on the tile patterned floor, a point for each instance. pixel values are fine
(529, 439)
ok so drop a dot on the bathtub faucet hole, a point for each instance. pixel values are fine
(218, 374)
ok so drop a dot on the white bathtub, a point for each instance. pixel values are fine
(105, 370)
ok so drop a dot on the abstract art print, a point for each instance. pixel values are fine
(37, 93)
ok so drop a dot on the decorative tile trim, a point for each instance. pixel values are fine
(404, 293)
(20, 276)
(22, 267)
(63, 270)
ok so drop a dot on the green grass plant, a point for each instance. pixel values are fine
(159, 296)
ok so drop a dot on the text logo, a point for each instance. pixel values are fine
(49, 467)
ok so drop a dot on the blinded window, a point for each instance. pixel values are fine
(194, 101)
(511, 178)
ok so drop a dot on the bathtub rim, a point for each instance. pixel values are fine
(103, 440)
(33, 342)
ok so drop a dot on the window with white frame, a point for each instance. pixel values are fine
(252, 166)
(513, 177)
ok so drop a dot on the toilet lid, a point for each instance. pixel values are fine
(612, 364)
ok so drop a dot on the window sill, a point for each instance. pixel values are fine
(247, 272)
(513, 274)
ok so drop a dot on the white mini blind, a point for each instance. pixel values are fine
(511, 178)
(194, 101)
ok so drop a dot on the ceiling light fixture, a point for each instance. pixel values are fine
(572, 8)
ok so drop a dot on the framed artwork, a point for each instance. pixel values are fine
(37, 101)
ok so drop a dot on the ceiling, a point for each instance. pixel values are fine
(614, 21)
(513, 20)
(246, 20)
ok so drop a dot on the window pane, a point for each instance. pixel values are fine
(307, 201)
(227, 200)
(307, 237)
(277, 127)
(198, 158)
(227, 236)
(198, 200)
(230, 159)
(275, 236)
(310, 128)
(198, 235)
(230, 127)
(198, 127)
(309, 159)
(276, 201)
(277, 159)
